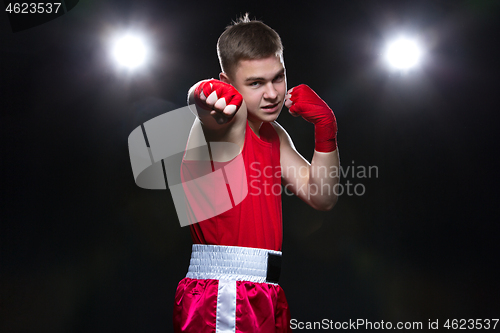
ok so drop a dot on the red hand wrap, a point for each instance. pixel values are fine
(223, 90)
(312, 108)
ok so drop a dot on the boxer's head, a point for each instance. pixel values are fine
(247, 40)
(251, 57)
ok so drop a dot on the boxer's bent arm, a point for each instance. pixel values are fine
(314, 183)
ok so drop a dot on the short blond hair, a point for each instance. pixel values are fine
(246, 39)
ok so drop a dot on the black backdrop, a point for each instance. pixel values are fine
(83, 249)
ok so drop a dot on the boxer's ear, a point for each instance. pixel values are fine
(224, 78)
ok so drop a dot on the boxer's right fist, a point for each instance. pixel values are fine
(221, 99)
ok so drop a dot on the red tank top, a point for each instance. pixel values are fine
(256, 221)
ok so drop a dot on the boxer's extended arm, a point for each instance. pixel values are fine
(220, 109)
(315, 183)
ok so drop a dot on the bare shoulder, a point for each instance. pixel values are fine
(282, 134)
(279, 129)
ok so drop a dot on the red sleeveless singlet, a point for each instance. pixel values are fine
(257, 220)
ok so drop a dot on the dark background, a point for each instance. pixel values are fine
(83, 249)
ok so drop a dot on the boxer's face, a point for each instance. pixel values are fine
(262, 83)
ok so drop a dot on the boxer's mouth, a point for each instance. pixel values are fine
(270, 106)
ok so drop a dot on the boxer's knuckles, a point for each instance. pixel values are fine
(222, 101)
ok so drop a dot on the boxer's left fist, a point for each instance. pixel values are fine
(303, 101)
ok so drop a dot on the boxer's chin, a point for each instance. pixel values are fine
(270, 117)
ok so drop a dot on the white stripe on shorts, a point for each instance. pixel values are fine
(226, 307)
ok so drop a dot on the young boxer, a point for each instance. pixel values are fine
(232, 282)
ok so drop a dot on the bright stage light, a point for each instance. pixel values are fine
(403, 53)
(130, 51)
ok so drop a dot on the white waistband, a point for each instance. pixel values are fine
(229, 263)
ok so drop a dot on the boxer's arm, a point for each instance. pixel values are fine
(222, 117)
(315, 182)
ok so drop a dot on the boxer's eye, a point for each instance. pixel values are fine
(279, 78)
(254, 84)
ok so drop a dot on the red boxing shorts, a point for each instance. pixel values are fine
(231, 289)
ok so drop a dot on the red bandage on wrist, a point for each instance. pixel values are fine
(223, 90)
(312, 108)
